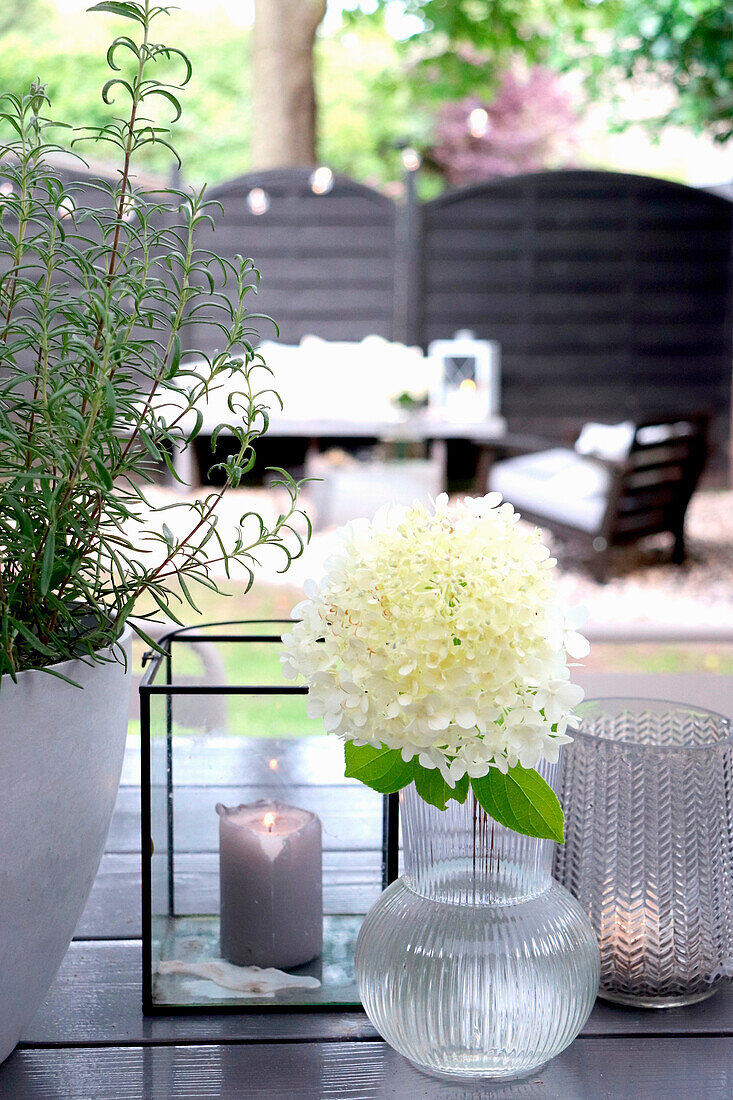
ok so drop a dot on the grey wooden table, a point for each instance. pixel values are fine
(90, 1041)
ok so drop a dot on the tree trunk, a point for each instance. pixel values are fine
(283, 93)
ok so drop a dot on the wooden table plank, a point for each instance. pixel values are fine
(590, 1069)
(96, 999)
(114, 909)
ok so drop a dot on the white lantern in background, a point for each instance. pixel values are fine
(468, 383)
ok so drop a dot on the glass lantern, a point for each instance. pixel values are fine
(260, 859)
(469, 386)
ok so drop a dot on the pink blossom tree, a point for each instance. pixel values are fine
(530, 124)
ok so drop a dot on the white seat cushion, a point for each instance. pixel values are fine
(557, 484)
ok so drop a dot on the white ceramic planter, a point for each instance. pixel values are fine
(61, 752)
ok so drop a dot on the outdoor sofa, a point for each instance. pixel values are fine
(618, 484)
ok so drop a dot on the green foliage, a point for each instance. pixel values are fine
(373, 92)
(16, 14)
(366, 107)
(462, 47)
(358, 130)
(382, 769)
(212, 137)
(459, 48)
(521, 800)
(686, 43)
(433, 789)
(97, 285)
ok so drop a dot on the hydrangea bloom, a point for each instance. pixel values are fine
(438, 632)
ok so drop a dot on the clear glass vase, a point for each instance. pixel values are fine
(647, 788)
(475, 963)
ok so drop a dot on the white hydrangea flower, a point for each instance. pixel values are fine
(437, 632)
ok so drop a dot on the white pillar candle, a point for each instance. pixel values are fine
(270, 883)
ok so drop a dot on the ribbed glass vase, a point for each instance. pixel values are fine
(475, 963)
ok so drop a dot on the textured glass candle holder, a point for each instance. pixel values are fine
(475, 963)
(647, 792)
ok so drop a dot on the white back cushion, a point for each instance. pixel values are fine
(611, 441)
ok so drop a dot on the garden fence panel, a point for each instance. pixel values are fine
(326, 259)
(610, 294)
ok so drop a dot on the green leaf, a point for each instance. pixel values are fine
(171, 99)
(521, 800)
(118, 7)
(382, 769)
(197, 426)
(49, 551)
(115, 82)
(460, 791)
(432, 788)
(121, 40)
(32, 640)
(186, 593)
(104, 475)
(176, 358)
(148, 444)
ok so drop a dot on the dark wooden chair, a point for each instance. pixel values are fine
(645, 492)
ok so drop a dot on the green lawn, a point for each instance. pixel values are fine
(650, 657)
(241, 664)
(285, 716)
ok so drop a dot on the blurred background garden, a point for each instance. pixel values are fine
(631, 85)
(591, 101)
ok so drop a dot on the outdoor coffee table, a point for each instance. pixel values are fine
(90, 1039)
(433, 432)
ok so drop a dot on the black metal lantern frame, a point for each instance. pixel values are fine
(204, 740)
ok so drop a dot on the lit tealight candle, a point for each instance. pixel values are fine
(465, 403)
(270, 883)
(629, 938)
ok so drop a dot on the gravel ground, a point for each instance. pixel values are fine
(644, 585)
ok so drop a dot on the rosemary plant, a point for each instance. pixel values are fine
(96, 392)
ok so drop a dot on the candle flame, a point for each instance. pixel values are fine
(468, 385)
(268, 821)
(274, 764)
